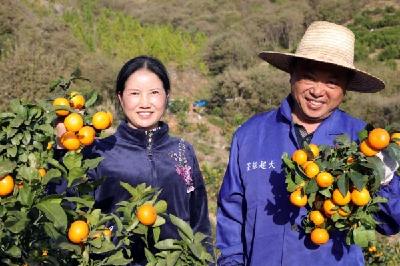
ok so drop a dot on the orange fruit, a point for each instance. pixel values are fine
(70, 141)
(314, 149)
(86, 135)
(366, 149)
(329, 207)
(63, 102)
(297, 199)
(350, 160)
(299, 156)
(319, 236)
(147, 214)
(110, 116)
(42, 172)
(73, 122)
(343, 213)
(77, 100)
(372, 249)
(316, 217)
(395, 137)
(378, 138)
(324, 179)
(49, 145)
(101, 120)
(78, 232)
(360, 198)
(338, 198)
(6, 185)
(106, 233)
(312, 169)
(304, 165)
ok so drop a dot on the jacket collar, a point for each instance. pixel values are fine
(329, 125)
(141, 137)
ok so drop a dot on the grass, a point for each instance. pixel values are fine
(123, 37)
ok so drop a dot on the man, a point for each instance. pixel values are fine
(256, 224)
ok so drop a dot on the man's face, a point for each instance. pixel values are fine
(317, 89)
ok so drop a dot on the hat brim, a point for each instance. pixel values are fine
(361, 81)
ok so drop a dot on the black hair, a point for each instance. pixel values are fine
(142, 62)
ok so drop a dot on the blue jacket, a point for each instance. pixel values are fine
(256, 224)
(157, 159)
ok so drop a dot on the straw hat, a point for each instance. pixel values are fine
(328, 43)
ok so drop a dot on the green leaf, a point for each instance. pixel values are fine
(325, 192)
(6, 167)
(288, 162)
(196, 249)
(161, 206)
(168, 244)
(172, 258)
(343, 184)
(84, 202)
(311, 199)
(51, 231)
(71, 247)
(363, 237)
(363, 134)
(117, 259)
(149, 256)
(51, 174)
(393, 151)
(160, 221)
(93, 217)
(290, 185)
(105, 246)
(379, 199)
(91, 163)
(311, 187)
(156, 234)
(12, 151)
(74, 174)
(182, 226)
(91, 99)
(17, 122)
(359, 180)
(46, 128)
(54, 212)
(25, 196)
(27, 138)
(72, 160)
(14, 251)
(18, 223)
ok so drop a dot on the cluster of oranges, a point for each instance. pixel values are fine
(329, 203)
(79, 231)
(77, 133)
(377, 140)
(336, 203)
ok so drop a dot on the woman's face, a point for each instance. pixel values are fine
(143, 100)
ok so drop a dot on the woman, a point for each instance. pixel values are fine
(141, 151)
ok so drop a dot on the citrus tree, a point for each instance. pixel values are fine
(339, 185)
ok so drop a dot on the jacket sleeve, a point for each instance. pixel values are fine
(389, 215)
(230, 213)
(199, 220)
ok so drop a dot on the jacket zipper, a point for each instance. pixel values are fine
(149, 146)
